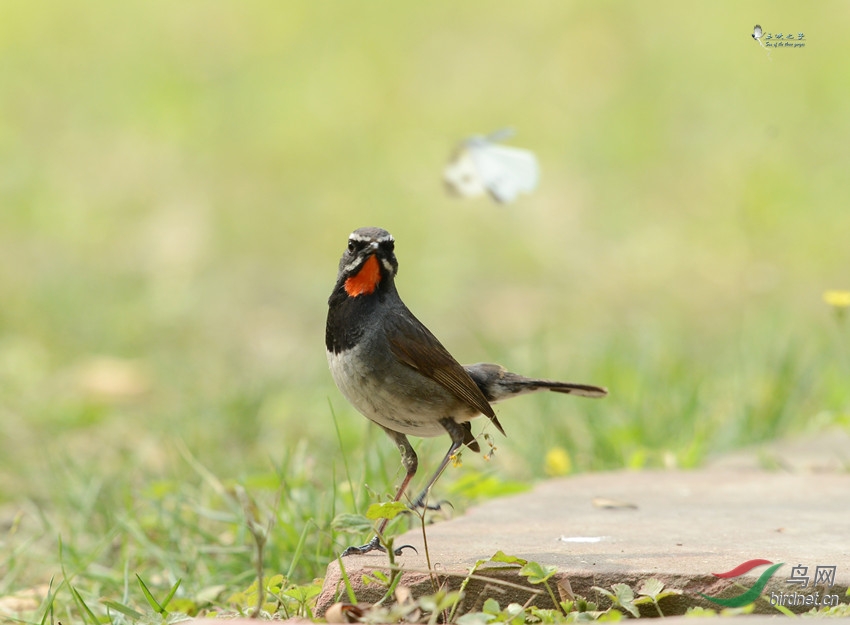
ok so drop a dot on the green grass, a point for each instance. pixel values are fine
(177, 183)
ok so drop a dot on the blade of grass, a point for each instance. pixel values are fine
(123, 609)
(352, 598)
(299, 548)
(48, 602)
(344, 457)
(85, 611)
(150, 598)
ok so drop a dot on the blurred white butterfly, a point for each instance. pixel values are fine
(479, 165)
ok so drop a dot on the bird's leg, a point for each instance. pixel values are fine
(457, 432)
(410, 463)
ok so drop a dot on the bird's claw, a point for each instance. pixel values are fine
(420, 503)
(374, 545)
(399, 550)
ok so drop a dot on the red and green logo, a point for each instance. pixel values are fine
(750, 595)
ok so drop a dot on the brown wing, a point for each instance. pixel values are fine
(414, 345)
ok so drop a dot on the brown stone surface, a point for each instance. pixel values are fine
(683, 527)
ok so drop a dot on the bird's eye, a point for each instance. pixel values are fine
(351, 246)
(390, 245)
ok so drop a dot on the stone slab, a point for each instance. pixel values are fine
(677, 526)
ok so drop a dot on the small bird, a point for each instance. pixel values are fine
(398, 375)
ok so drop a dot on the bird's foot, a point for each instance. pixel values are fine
(374, 545)
(420, 503)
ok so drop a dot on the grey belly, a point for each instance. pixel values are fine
(397, 398)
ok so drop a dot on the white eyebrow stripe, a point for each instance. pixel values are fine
(361, 239)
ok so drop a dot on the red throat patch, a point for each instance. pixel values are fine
(365, 281)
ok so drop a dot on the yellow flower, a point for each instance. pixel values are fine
(837, 299)
(558, 462)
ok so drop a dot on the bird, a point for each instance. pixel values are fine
(396, 373)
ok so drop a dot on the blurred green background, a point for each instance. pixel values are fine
(178, 180)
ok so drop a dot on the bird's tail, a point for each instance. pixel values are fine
(497, 384)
